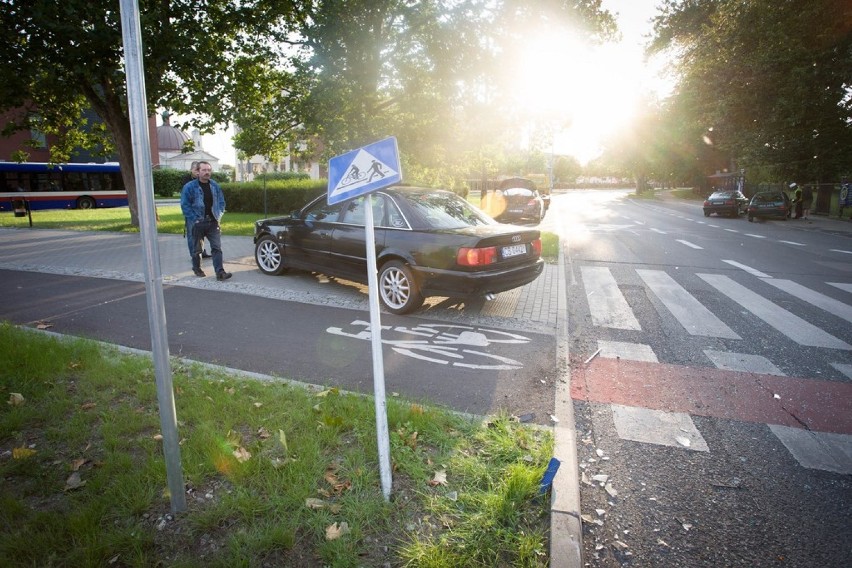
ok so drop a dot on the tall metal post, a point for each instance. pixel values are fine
(137, 111)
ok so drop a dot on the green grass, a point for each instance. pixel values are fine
(89, 411)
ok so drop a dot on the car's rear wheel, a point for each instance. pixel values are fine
(751, 218)
(397, 288)
(706, 213)
(268, 256)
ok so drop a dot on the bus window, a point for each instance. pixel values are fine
(75, 181)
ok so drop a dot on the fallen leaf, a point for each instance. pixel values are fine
(88, 405)
(16, 399)
(440, 478)
(337, 530)
(43, 325)
(258, 404)
(158, 437)
(22, 453)
(230, 390)
(326, 392)
(78, 463)
(314, 503)
(242, 455)
(74, 482)
(263, 433)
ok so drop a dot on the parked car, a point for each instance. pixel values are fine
(730, 203)
(769, 204)
(429, 242)
(516, 200)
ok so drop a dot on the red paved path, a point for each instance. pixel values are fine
(819, 405)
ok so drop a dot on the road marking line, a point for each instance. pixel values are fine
(608, 307)
(714, 226)
(822, 301)
(658, 231)
(732, 230)
(787, 323)
(674, 429)
(749, 269)
(755, 236)
(689, 244)
(793, 243)
(692, 315)
(817, 450)
(843, 368)
(627, 350)
(743, 362)
(842, 285)
(841, 251)
(807, 403)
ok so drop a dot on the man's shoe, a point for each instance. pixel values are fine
(223, 275)
(205, 254)
(198, 272)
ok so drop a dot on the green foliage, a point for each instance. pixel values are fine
(766, 83)
(280, 197)
(277, 176)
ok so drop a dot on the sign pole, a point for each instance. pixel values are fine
(382, 436)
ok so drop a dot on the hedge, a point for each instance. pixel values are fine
(281, 197)
(168, 182)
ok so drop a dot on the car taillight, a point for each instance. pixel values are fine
(536, 247)
(476, 256)
(706, 202)
(729, 202)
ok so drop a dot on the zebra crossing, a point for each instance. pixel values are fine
(610, 308)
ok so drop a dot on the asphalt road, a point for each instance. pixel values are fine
(711, 369)
(469, 368)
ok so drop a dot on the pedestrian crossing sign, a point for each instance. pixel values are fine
(363, 170)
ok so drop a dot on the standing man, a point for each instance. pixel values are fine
(203, 205)
(187, 231)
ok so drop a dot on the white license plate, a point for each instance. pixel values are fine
(514, 250)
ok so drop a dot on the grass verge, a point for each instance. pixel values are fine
(275, 474)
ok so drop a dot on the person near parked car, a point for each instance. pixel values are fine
(203, 205)
(797, 199)
(193, 173)
(808, 197)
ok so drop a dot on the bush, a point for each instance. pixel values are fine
(282, 197)
(168, 181)
(281, 176)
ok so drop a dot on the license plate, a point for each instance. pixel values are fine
(516, 210)
(718, 202)
(514, 250)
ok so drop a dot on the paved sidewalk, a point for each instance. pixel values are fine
(119, 256)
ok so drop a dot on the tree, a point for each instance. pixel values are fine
(771, 79)
(67, 56)
(423, 70)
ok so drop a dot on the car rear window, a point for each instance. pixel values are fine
(446, 211)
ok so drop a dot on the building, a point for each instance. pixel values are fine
(176, 149)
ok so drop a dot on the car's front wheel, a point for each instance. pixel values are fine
(268, 256)
(397, 288)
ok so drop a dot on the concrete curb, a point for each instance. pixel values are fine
(566, 529)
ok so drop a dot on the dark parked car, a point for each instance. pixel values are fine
(516, 200)
(769, 204)
(730, 203)
(429, 242)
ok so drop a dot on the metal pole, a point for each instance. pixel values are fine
(382, 435)
(137, 111)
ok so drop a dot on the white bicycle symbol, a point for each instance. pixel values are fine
(444, 344)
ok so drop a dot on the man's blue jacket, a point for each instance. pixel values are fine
(192, 201)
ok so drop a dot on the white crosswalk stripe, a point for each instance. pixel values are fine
(822, 301)
(607, 304)
(692, 315)
(791, 325)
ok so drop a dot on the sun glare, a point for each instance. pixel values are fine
(586, 92)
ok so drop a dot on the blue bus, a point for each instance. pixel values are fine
(33, 186)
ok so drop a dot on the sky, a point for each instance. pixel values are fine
(594, 94)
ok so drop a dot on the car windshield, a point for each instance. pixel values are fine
(446, 210)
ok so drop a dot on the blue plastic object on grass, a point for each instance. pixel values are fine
(549, 474)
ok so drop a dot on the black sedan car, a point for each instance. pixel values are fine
(429, 242)
(730, 203)
(770, 205)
